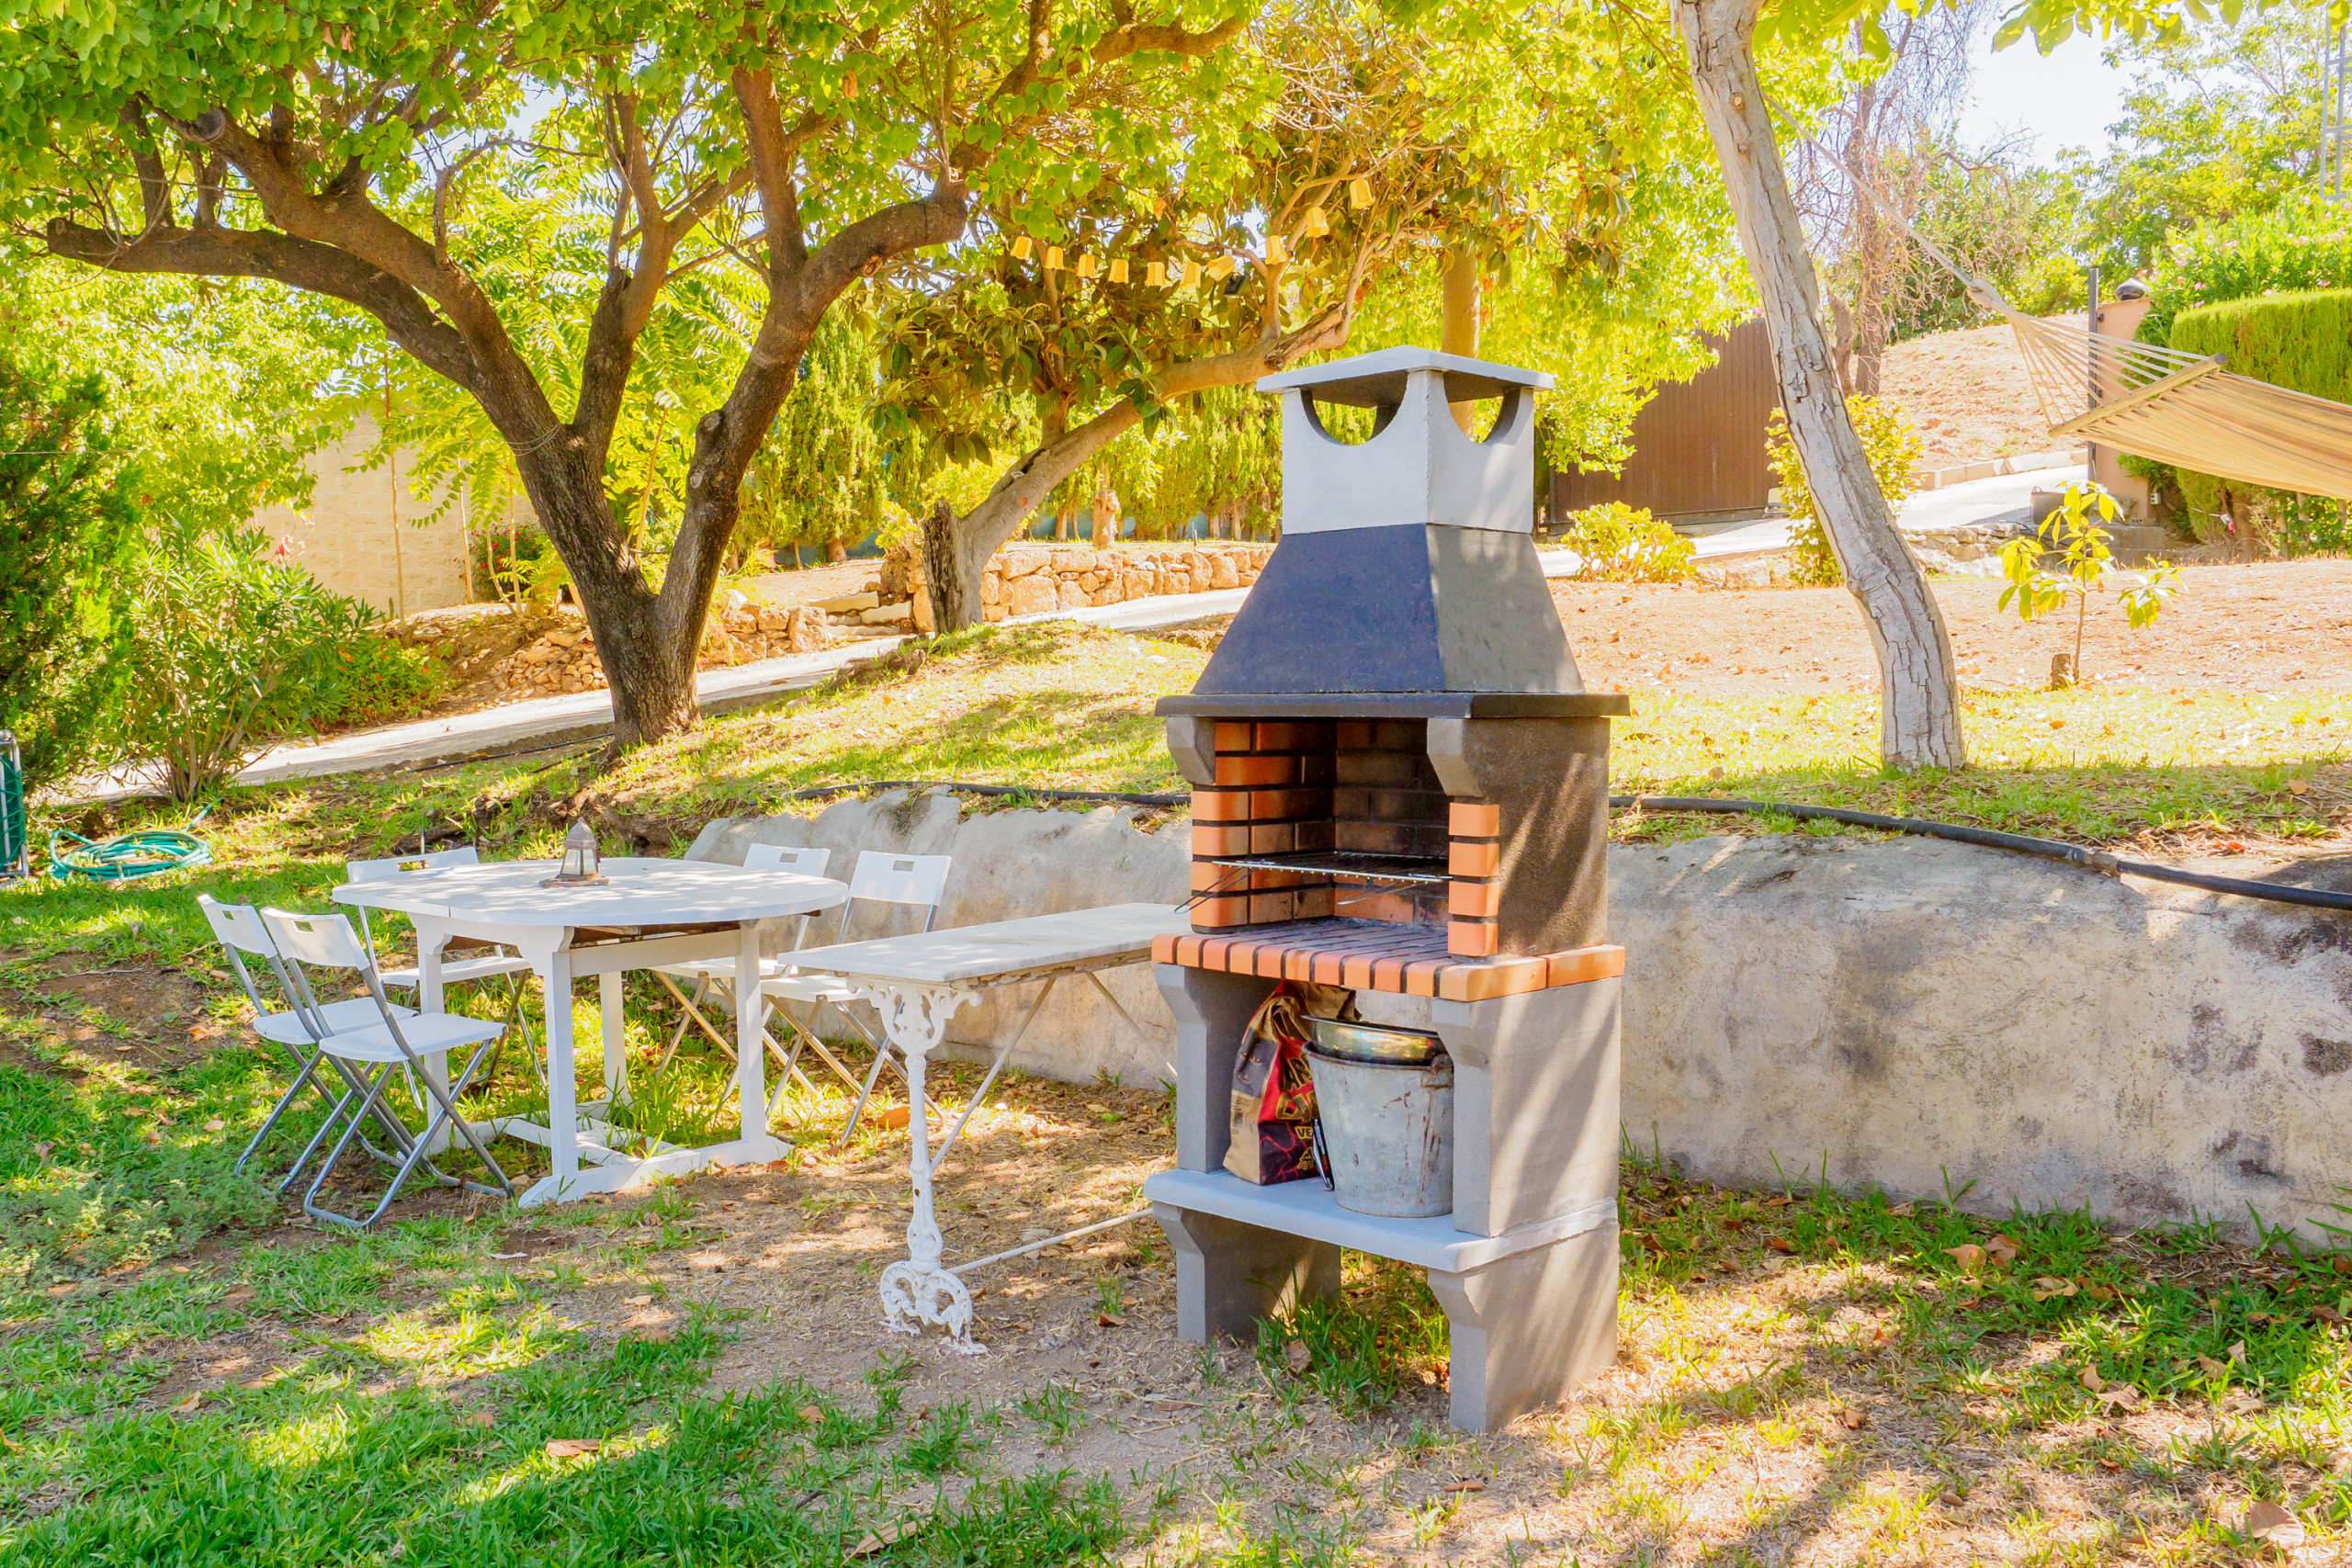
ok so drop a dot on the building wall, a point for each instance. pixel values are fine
(349, 542)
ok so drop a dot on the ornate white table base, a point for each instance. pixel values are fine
(919, 1290)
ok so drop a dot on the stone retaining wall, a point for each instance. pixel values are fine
(1909, 1012)
(1029, 582)
(564, 658)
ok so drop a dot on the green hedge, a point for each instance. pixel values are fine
(2302, 341)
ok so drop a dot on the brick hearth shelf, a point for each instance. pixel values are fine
(1382, 955)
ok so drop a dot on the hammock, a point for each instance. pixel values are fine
(2172, 406)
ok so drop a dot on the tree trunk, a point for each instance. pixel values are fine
(1841, 320)
(646, 652)
(950, 575)
(836, 551)
(1918, 690)
(1458, 330)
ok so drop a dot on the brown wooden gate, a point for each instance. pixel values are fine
(1698, 445)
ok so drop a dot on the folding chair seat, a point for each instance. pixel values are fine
(714, 979)
(475, 961)
(395, 1041)
(242, 935)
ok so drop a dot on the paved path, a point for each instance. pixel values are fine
(583, 715)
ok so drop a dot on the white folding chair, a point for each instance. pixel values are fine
(908, 881)
(242, 935)
(388, 1041)
(715, 978)
(486, 961)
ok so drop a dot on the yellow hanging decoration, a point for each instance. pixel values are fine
(1155, 274)
(1052, 258)
(1192, 275)
(1021, 247)
(1086, 266)
(1316, 225)
(1359, 192)
(1118, 269)
(849, 87)
(1219, 268)
(1276, 251)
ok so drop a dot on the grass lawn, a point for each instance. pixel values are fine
(187, 1377)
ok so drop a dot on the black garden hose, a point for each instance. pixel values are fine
(2105, 862)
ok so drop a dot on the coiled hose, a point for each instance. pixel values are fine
(125, 857)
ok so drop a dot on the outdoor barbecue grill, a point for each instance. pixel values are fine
(1400, 786)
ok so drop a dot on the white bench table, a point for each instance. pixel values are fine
(649, 912)
(917, 982)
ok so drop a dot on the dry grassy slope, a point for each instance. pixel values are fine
(1968, 393)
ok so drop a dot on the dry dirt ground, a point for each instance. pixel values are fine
(2273, 624)
(1969, 395)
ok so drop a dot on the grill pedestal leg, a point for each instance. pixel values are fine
(1229, 1275)
(1523, 1332)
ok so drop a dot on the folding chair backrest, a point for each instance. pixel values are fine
(809, 862)
(237, 926)
(881, 877)
(321, 941)
(240, 930)
(377, 870)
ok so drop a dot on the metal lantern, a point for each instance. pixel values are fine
(581, 857)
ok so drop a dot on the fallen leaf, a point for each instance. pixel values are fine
(2237, 1352)
(1732, 1223)
(1296, 1355)
(40, 1150)
(811, 1413)
(2120, 1397)
(1968, 1255)
(2299, 787)
(2109, 1466)
(483, 1419)
(876, 1539)
(1467, 1486)
(189, 1405)
(640, 1301)
(11, 1444)
(2092, 1381)
(508, 1256)
(2274, 1526)
(216, 1125)
(890, 1120)
(2341, 1263)
(1853, 1420)
(2045, 1287)
(1901, 1211)
(2002, 1248)
(1110, 1320)
(1779, 1244)
(1782, 1202)
(2328, 1315)
(2100, 1293)
(2211, 1368)
(572, 1448)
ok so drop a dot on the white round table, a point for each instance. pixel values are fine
(648, 913)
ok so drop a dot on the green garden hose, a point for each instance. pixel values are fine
(125, 856)
(12, 808)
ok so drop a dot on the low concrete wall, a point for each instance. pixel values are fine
(1909, 1009)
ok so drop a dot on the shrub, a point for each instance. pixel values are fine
(236, 647)
(1617, 543)
(66, 519)
(2303, 244)
(1890, 443)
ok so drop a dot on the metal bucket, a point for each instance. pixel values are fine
(1389, 1133)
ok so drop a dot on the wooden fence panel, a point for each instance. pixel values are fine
(1698, 445)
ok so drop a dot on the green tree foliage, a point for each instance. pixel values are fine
(516, 194)
(1617, 543)
(67, 519)
(2303, 244)
(2222, 119)
(822, 475)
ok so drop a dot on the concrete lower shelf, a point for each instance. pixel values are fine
(1306, 1209)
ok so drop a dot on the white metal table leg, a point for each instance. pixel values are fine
(919, 1290)
(610, 994)
(430, 940)
(563, 1107)
(751, 1055)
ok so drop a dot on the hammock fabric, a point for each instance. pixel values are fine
(2174, 407)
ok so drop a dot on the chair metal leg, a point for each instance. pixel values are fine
(285, 1101)
(446, 1114)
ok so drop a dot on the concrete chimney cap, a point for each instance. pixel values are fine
(1378, 380)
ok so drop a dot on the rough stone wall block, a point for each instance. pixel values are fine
(1546, 784)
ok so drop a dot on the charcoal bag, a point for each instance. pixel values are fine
(1273, 1097)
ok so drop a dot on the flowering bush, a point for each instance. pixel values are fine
(2303, 244)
